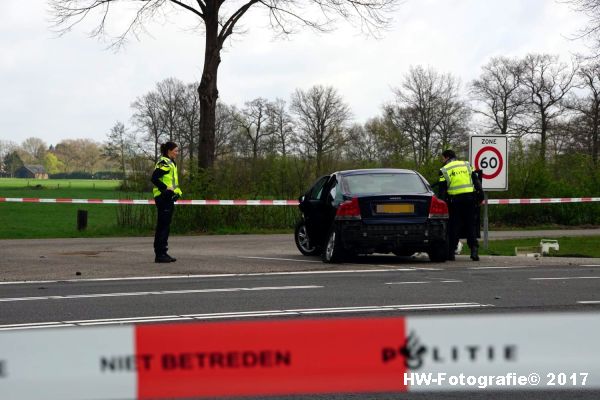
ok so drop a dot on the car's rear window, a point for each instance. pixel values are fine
(382, 183)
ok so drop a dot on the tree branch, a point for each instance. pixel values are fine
(189, 8)
(228, 26)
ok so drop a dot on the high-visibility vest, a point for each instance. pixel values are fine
(457, 175)
(171, 178)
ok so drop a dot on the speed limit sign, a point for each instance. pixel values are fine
(490, 154)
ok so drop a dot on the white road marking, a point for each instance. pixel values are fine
(517, 267)
(394, 268)
(417, 282)
(564, 278)
(280, 259)
(590, 265)
(243, 314)
(159, 292)
(589, 302)
(407, 268)
(136, 278)
(388, 267)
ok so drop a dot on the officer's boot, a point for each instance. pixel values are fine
(162, 258)
(475, 253)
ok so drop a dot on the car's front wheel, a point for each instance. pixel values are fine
(302, 240)
(333, 252)
(438, 252)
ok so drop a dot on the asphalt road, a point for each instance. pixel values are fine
(82, 282)
(382, 289)
(52, 259)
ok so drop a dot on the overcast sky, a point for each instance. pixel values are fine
(70, 87)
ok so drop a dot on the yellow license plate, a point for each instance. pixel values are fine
(395, 208)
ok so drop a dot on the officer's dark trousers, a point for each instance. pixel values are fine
(462, 218)
(164, 210)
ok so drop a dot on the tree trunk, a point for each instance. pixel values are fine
(543, 132)
(504, 128)
(209, 94)
(595, 129)
(319, 155)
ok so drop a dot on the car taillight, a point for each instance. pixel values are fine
(348, 210)
(438, 208)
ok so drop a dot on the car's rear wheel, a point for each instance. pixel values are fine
(438, 252)
(302, 240)
(333, 252)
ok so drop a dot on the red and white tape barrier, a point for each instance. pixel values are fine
(558, 200)
(545, 201)
(316, 356)
(145, 202)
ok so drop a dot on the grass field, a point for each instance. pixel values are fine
(48, 184)
(42, 220)
(585, 246)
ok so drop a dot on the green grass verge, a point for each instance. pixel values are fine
(41, 184)
(27, 221)
(47, 220)
(581, 246)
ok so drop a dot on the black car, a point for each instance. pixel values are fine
(372, 211)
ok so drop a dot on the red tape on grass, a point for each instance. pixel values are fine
(268, 358)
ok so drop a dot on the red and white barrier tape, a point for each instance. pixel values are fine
(312, 356)
(558, 200)
(145, 202)
(545, 201)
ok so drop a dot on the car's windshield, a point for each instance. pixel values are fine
(383, 183)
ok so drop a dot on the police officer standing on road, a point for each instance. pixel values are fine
(458, 186)
(166, 193)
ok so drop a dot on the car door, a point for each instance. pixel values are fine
(313, 207)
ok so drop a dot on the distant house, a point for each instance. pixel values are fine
(32, 172)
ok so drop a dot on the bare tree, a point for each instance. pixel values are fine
(171, 93)
(79, 154)
(322, 116)
(394, 144)
(591, 32)
(225, 129)
(501, 95)
(147, 118)
(588, 109)
(281, 126)
(563, 136)
(34, 149)
(252, 121)
(361, 144)
(219, 19)
(547, 82)
(117, 145)
(425, 101)
(453, 132)
(190, 121)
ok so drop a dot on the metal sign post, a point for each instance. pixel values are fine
(490, 154)
(485, 220)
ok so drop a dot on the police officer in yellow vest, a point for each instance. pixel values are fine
(166, 193)
(457, 186)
